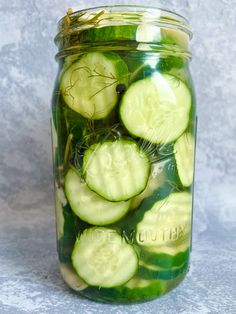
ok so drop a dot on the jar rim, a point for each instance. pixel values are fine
(130, 6)
(74, 24)
(157, 12)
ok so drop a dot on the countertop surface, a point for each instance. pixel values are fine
(29, 277)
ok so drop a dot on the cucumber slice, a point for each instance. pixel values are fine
(149, 33)
(156, 179)
(116, 170)
(89, 206)
(174, 258)
(66, 240)
(157, 108)
(147, 271)
(68, 227)
(179, 247)
(136, 289)
(108, 33)
(167, 222)
(59, 131)
(184, 156)
(102, 258)
(71, 278)
(60, 202)
(89, 85)
(54, 140)
(145, 33)
(176, 37)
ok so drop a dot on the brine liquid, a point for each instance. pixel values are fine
(72, 135)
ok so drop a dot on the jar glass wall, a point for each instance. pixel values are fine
(123, 129)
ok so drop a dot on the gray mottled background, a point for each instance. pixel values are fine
(29, 278)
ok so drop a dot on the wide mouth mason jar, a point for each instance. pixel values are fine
(123, 129)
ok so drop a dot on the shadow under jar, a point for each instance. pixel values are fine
(123, 129)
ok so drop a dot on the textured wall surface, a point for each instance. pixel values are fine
(29, 278)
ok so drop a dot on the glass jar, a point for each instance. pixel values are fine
(123, 128)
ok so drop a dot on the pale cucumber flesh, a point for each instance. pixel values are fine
(89, 206)
(89, 85)
(157, 108)
(102, 258)
(167, 222)
(116, 170)
(184, 156)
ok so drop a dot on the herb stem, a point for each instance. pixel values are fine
(67, 149)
